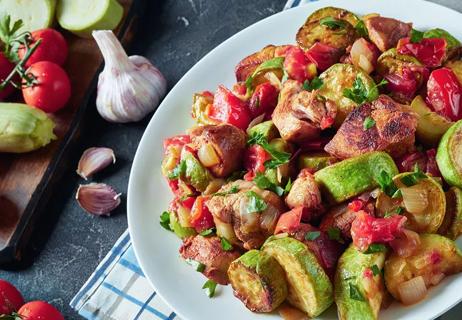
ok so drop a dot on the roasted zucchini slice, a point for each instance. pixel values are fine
(449, 155)
(431, 126)
(180, 231)
(194, 173)
(436, 257)
(452, 223)
(351, 177)
(392, 62)
(313, 31)
(315, 161)
(310, 289)
(258, 281)
(340, 77)
(359, 288)
(425, 217)
(267, 129)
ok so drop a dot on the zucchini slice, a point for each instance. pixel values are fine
(351, 177)
(436, 256)
(340, 77)
(315, 161)
(449, 155)
(313, 31)
(35, 14)
(258, 281)
(452, 223)
(430, 218)
(431, 126)
(391, 62)
(310, 289)
(359, 288)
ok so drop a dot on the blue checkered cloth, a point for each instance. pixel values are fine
(118, 289)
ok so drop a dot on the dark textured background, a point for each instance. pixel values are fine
(175, 34)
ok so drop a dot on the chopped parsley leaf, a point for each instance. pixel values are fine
(368, 123)
(355, 293)
(334, 234)
(386, 183)
(376, 247)
(414, 177)
(332, 23)
(207, 232)
(199, 267)
(165, 220)
(178, 171)
(361, 29)
(315, 84)
(277, 157)
(233, 189)
(209, 287)
(312, 235)
(416, 36)
(256, 203)
(264, 183)
(225, 245)
(375, 270)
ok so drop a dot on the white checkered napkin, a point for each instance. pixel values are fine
(118, 289)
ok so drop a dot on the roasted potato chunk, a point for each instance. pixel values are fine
(435, 258)
(393, 130)
(313, 31)
(258, 281)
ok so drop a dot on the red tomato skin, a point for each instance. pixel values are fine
(39, 310)
(53, 88)
(444, 93)
(263, 100)
(366, 230)
(230, 109)
(298, 66)
(289, 221)
(201, 217)
(5, 69)
(254, 161)
(430, 51)
(179, 140)
(10, 298)
(52, 48)
(323, 55)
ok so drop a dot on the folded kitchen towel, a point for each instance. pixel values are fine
(118, 289)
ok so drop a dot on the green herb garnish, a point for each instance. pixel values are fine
(375, 270)
(209, 287)
(264, 183)
(226, 245)
(278, 157)
(386, 183)
(416, 36)
(361, 29)
(178, 171)
(288, 186)
(332, 23)
(315, 84)
(275, 63)
(199, 267)
(256, 203)
(334, 234)
(413, 178)
(368, 123)
(376, 247)
(398, 210)
(165, 220)
(360, 94)
(355, 293)
(233, 189)
(207, 232)
(312, 235)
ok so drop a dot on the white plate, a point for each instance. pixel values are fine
(148, 193)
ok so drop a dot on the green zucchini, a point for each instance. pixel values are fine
(258, 281)
(452, 223)
(35, 14)
(310, 289)
(449, 155)
(267, 129)
(315, 161)
(195, 174)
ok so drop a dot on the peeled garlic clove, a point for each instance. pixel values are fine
(94, 160)
(97, 198)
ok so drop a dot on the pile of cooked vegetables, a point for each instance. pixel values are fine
(331, 171)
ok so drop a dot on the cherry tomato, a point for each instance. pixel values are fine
(254, 161)
(298, 66)
(289, 221)
(10, 298)
(230, 109)
(201, 218)
(52, 90)
(52, 47)
(430, 51)
(263, 100)
(5, 69)
(444, 93)
(39, 310)
(323, 55)
(366, 230)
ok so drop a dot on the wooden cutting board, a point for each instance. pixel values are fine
(27, 180)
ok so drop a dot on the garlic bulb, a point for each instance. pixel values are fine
(128, 87)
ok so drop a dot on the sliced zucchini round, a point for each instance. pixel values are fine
(426, 221)
(340, 77)
(315, 160)
(258, 281)
(359, 288)
(313, 31)
(435, 255)
(310, 289)
(449, 155)
(452, 223)
(431, 126)
(391, 62)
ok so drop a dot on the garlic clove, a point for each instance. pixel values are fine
(94, 160)
(128, 87)
(97, 198)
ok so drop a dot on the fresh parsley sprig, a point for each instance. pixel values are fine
(332, 23)
(275, 63)
(359, 93)
(315, 84)
(278, 158)
(256, 203)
